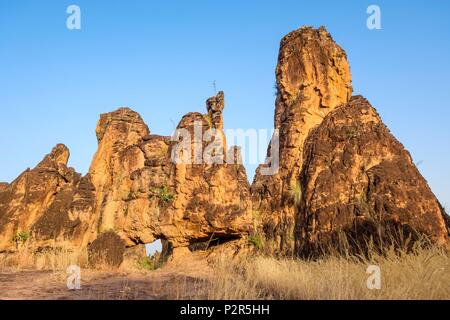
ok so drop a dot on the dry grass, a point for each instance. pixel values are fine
(422, 274)
(53, 258)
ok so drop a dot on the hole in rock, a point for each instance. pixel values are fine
(205, 244)
(152, 248)
(158, 252)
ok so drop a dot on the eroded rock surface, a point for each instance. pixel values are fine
(144, 191)
(36, 206)
(117, 156)
(340, 172)
(313, 78)
(186, 200)
(135, 192)
(357, 179)
(107, 250)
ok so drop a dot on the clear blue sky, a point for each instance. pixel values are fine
(161, 57)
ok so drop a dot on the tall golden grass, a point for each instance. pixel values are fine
(54, 258)
(423, 273)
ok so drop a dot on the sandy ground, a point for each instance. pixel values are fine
(174, 281)
(48, 285)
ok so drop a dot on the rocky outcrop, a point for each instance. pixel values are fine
(214, 106)
(213, 196)
(145, 192)
(37, 206)
(313, 78)
(358, 181)
(447, 220)
(341, 173)
(186, 200)
(107, 250)
(139, 188)
(69, 218)
(154, 192)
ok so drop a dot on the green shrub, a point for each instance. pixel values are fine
(256, 214)
(163, 194)
(147, 263)
(352, 132)
(257, 241)
(21, 237)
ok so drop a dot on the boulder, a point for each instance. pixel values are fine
(341, 175)
(106, 251)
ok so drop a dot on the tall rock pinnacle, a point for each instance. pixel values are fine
(118, 154)
(313, 78)
(341, 173)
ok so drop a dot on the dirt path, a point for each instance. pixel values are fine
(174, 281)
(44, 285)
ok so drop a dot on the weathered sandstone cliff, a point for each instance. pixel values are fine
(137, 191)
(313, 78)
(342, 176)
(341, 173)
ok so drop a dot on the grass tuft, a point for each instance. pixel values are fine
(163, 194)
(21, 237)
(147, 263)
(257, 241)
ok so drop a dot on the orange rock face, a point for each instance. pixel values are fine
(340, 173)
(39, 204)
(313, 78)
(135, 192)
(118, 156)
(187, 202)
(358, 181)
(340, 170)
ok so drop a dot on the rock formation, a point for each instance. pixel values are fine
(3, 186)
(341, 173)
(185, 202)
(38, 205)
(118, 155)
(137, 190)
(107, 250)
(359, 181)
(313, 78)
